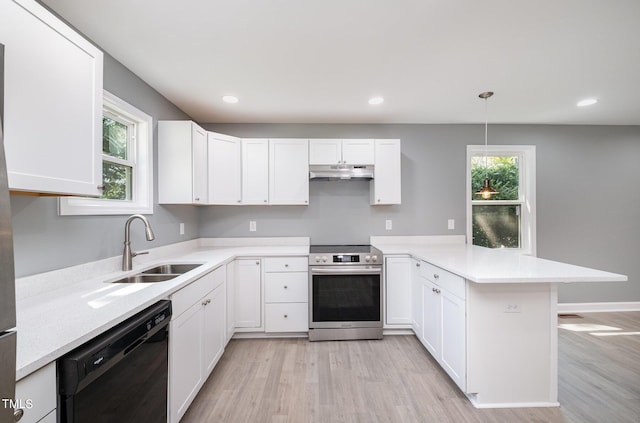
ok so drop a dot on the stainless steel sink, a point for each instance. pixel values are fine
(141, 278)
(161, 273)
(171, 269)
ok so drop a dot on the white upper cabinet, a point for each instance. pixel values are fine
(337, 151)
(255, 171)
(289, 171)
(52, 103)
(225, 172)
(182, 163)
(386, 186)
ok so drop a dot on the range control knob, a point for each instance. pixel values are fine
(367, 259)
(324, 259)
(374, 258)
(317, 259)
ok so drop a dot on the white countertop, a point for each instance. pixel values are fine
(484, 265)
(54, 322)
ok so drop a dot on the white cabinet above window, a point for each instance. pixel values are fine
(53, 103)
(338, 151)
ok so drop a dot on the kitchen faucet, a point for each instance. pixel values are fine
(128, 255)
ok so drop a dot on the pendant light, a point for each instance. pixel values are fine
(487, 190)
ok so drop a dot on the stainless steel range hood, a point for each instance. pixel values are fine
(341, 172)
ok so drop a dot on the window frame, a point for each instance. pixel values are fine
(526, 192)
(142, 158)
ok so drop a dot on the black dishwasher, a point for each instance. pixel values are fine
(120, 375)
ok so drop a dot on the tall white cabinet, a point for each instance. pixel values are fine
(386, 187)
(224, 166)
(289, 171)
(255, 171)
(53, 103)
(182, 163)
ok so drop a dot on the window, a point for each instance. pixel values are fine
(506, 219)
(127, 169)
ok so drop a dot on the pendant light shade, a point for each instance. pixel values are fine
(487, 190)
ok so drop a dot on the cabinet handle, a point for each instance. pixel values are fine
(436, 276)
(285, 287)
(436, 290)
(265, 201)
(101, 188)
(258, 263)
(196, 199)
(379, 200)
(417, 264)
(286, 265)
(239, 201)
(18, 414)
(286, 316)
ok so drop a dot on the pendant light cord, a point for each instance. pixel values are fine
(486, 148)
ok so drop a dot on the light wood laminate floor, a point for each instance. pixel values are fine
(396, 380)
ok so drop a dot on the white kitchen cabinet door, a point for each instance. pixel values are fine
(386, 186)
(214, 335)
(416, 298)
(224, 165)
(40, 389)
(287, 317)
(289, 171)
(231, 300)
(248, 295)
(358, 152)
(52, 103)
(185, 360)
(255, 171)
(453, 355)
(398, 290)
(325, 151)
(432, 318)
(182, 163)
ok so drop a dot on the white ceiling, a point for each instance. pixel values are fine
(313, 61)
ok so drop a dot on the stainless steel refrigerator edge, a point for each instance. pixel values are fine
(7, 281)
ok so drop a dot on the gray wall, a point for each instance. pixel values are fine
(45, 241)
(588, 201)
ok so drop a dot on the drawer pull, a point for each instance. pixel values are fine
(436, 276)
(257, 263)
(18, 414)
(286, 316)
(286, 265)
(285, 287)
(436, 290)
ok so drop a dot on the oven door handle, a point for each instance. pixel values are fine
(341, 270)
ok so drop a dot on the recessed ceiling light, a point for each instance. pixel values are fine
(230, 99)
(374, 101)
(587, 102)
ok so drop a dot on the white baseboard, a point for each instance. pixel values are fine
(598, 307)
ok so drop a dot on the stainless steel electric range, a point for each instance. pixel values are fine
(345, 292)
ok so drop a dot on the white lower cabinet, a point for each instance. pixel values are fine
(231, 299)
(286, 281)
(416, 298)
(36, 396)
(398, 292)
(248, 295)
(197, 338)
(444, 320)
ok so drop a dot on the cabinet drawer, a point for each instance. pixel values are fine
(190, 294)
(289, 287)
(446, 280)
(286, 264)
(36, 394)
(287, 317)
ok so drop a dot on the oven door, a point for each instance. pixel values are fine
(345, 297)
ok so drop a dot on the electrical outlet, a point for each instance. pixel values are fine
(388, 224)
(252, 226)
(451, 224)
(181, 228)
(513, 308)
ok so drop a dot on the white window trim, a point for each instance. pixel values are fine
(528, 191)
(142, 184)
